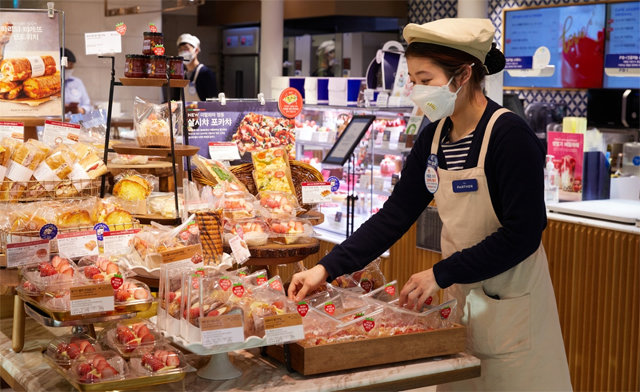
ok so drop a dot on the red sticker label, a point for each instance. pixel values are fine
(153, 28)
(158, 50)
(276, 285)
(303, 308)
(224, 283)
(116, 282)
(445, 312)
(261, 279)
(290, 102)
(428, 301)
(121, 28)
(391, 290)
(368, 324)
(238, 290)
(366, 285)
(330, 308)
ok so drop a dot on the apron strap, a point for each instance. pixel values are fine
(195, 76)
(487, 135)
(436, 136)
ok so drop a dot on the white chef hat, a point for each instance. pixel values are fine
(470, 35)
(326, 47)
(187, 38)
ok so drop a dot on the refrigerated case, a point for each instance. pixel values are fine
(241, 66)
(378, 158)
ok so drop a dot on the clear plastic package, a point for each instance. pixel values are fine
(271, 171)
(131, 335)
(279, 204)
(132, 292)
(255, 231)
(98, 367)
(58, 273)
(290, 231)
(151, 122)
(318, 327)
(238, 205)
(101, 268)
(64, 349)
(162, 359)
(385, 293)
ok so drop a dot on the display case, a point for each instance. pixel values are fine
(377, 159)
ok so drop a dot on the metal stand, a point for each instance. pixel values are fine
(219, 368)
(351, 196)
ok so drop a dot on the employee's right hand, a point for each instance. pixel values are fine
(306, 282)
(418, 288)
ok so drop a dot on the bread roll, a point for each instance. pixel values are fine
(16, 69)
(43, 86)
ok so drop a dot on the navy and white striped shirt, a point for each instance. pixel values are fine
(455, 154)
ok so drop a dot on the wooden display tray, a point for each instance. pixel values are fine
(379, 351)
(148, 165)
(276, 254)
(163, 220)
(314, 217)
(153, 82)
(181, 150)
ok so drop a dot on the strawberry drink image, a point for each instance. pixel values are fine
(582, 56)
(567, 170)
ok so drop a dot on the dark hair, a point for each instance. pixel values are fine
(452, 60)
(69, 55)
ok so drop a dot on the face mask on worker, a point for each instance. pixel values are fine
(187, 56)
(436, 102)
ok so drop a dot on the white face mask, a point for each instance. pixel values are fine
(436, 102)
(186, 55)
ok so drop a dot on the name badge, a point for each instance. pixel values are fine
(431, 179)
(470, 185)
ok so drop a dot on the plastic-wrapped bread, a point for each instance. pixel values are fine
(55, 167)
(42, 87)
(23, 68)
(210, 227)
(24, 160)
(39, 145)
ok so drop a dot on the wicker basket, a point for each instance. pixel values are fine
(300, 172)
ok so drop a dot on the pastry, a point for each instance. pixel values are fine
(218, 173)
(77, 218)
(271, 171)
(210, 227)
(42, 87)
(153, 132)
(120, 219)
(16, 69)
(132, 188)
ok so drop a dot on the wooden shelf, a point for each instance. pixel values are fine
(314, 217)
(153, 82)
(273, 254)
(149, 165)
(134, 149)
(163, 220)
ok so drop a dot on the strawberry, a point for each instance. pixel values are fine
(83, 369)
(90, 378)
(124, 334)
(62, 348)
(68, 272)
(84, 345)
(172, 360)
(122, 295)
(172, 296)
(131, 345)
(73, 350)
(147, 339)
(146, 358)
(100, 364)
(140, 293)
(154, 364)
(91, 271)
(112, 268)
(161, 355)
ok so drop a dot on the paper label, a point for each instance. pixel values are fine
(22, 253)
(56, 132)
(12, 129)
(316, 192)
(37, 66)
(283, 328)
(218, 330)
(117, 242)
(3, 171)
(102, 42)
(18, 173)
(413, 125)
(91, 299)
(78, 244)
(190, 254)
(79, 177)
(224, 151)
(47, 177)
(239, 249)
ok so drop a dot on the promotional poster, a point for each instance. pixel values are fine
(30, 80)
(249, 125)
(567, 150)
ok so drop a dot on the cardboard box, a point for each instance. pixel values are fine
(311, 91)
(279, 83)
(344, 91)
(371, 352)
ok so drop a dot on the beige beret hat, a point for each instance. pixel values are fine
(470, 35)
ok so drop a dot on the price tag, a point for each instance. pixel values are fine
(91, 299)
(184, 256)
(56, 132)
(283, 328)
(22, 253)
(102, 42)
(78, 244)
(224, 151)
(117, 242)
(218, 330)
(316, 192)
(413, 125)
(12, 129)
(239, 249)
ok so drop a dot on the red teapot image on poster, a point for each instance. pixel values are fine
(582, 55)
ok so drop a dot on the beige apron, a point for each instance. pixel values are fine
(517, 336)
(190, 93)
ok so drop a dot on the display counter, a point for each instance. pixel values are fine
(28, 370)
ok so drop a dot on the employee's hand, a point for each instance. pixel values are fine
(305, 282)
(418, 288)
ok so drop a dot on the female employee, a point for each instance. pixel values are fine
(484, 167)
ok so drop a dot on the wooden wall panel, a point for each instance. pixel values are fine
(596, 278)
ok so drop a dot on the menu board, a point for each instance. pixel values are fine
(564, 45)
(30, 80)
(622, 46)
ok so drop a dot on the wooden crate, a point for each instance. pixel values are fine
(379, 351)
